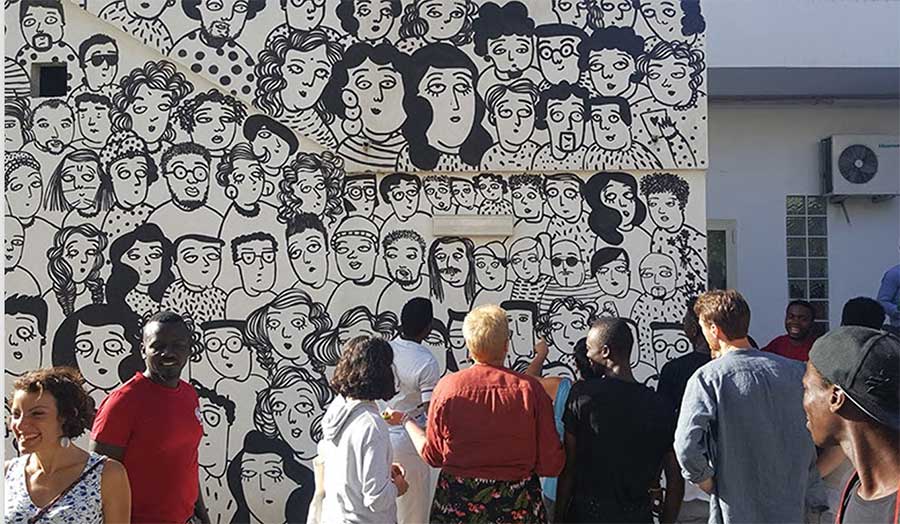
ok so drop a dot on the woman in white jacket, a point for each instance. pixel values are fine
(360, 480)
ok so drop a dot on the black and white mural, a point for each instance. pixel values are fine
(272, 170)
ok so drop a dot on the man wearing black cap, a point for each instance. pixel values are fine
(852, 399)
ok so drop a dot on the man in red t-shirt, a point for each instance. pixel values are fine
(798, 322)
(152, 425)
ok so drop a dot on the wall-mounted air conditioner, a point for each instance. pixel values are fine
(861, 165)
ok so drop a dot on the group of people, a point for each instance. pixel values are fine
(400, 444)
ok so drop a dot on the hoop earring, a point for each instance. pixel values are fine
(65, 442)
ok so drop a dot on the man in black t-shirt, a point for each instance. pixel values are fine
(619, 435)
(852, 399)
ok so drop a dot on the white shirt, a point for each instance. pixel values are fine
(417, 373)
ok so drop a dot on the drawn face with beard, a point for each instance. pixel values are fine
(565, 121)
(511, 54)
(42, 27)
(222, 20)
(188, 178)
(54, 127)
(404, 259)
(452, 262)
(659, 275)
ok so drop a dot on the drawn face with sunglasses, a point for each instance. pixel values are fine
(255, 260)
(568, 266)
(100, 66)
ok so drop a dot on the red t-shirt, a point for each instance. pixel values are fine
(786, 348)
(492, 423)
(160, 429)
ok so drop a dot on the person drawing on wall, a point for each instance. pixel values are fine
(462, 193)
(667, 23)
(147, 102)
(567, 216)
(273, 144)
(213, 49)
(282, 332)
(504, 37)
(228, 356)
(16, 279)
(447, 134)
(611, 269)
(312, 183)
(217, 413)
(451, 264)
(361, 196)
(142, 262)
(658, 302)
(129, 169)
(525, 257)
(16, 123)
(98, 58)
(103, 342)
(53, 128)
(609, 58)
(564, 322)
(308, 251)
(94, 120)
(212, 120)
(43, 25)
(254, 255)
(667, 197)
(402, 192)
(267, 482)
(368, 21)
(291, 409)
(570, 268)
(303, 16)
(355, 246)
(527, 192)
(617, 214)
(583, 14)
(437, 192)
(80, 189)
(614, 146)
(366, 93)
(185, 167)
(142, 20)
(404, 257)
(620, 13)
(492, 192)
(557, 52)
(291, 76)
(562, 110)
(523, 317)
(198, 260)
(25, 322)
(243, 181)
(491, 273)
(511, 110)
(426, 22)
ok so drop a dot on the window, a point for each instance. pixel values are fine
(806, 229)
(721, 255)
(49, 80)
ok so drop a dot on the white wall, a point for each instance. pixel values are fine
(760, 153)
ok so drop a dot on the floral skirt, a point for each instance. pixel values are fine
(489, 501)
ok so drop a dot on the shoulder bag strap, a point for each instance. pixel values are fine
(42, 511)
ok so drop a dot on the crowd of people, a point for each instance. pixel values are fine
(737, 434)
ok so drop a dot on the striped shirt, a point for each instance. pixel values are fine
(361, 154)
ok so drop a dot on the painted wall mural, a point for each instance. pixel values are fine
(271, 170)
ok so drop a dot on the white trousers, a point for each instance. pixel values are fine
(414, 507)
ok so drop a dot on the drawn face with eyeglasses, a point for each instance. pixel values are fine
(362, 192)
(558, 58)
(310, 190)
(618, 13)
(24, 343)
(304, 14)
(568, 266)
(199, 262)
(223, 19)
(98, 351)
(255, 260)
(404, 199)
(129, 180)
(80, 182)
(188, 178)
(101, 64)
(227, 353)
(13, 243)
(215, 126)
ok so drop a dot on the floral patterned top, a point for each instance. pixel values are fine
(81, 505)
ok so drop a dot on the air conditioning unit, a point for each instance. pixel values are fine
(861, 165)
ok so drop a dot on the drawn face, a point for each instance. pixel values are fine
(610, 71)
(658, 276)
(294, 409)
(404, 197)
(212, 454)
(437, 191)
(526, 264)
(93, 122)
(669, 81)
(567, 263)
(610, 131)
(304, 14)
(266, 486)
(521, 333)
(81, 254)
(564, 198)
(514, 117)
(223, 19)
(526, 202)
(215, 126)
(199, 262)
(24, 343)
(271, 150)
(42, 27)
(566, 327)
(98, 351)
(14, 134)
(54, 128)
(663, 17)
(287, 329)
(665, 211)
(227, 353)
(453, 265)
(463, 193)
(445, 18)
(150, 113)
(306, 73)
(436, 344)
(256, 266)
(558, 58)
(80, 182)
(565, 121)
(614, 278)
(101, 64)
(511, 55)
(310, 190)
(188, 179)
(308, 253)
(490, 188)
(363, 193)
(490, 272)
(145, 9)
(129, 180)
(24, 192)
(451, 94)
(618, 13)
(146, 259)
(13, 243)
(572, 12)
(670, 342)
(404, 259)
(249, 181)
(356, 256)
(379, 88)
(620, 197)
(361, 328)
(375, 17)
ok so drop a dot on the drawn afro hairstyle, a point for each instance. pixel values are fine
(666, 183)
(495, 21)
(66, 385)
(127, 144)
(349, 23)
(559, 92)
(155, 75)
(408, 234)
(186, 114)
(381, 54)
(330, 166)
(604, 220)
(183, 148)
(695, 59)
(619, 38)
(414, 25)
(534, 181)
(365, 370)
(192, 8)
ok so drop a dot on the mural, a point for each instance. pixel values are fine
(271, 170)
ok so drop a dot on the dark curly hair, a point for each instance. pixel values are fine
(186, 114)
(74, 406)
(494, 21)
(666, 183)
(156, 75)
(620, 38)
(365, 370)
(332, 168)
(412, 24)
(695, 58)
(350, 24)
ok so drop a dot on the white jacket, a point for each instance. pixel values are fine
(356, 454)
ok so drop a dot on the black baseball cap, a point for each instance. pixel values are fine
(865, 363)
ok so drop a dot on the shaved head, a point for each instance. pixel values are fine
(612, 334)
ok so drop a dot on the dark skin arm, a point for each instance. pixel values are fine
(200, 512)
(674, 489)
(566, 482)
